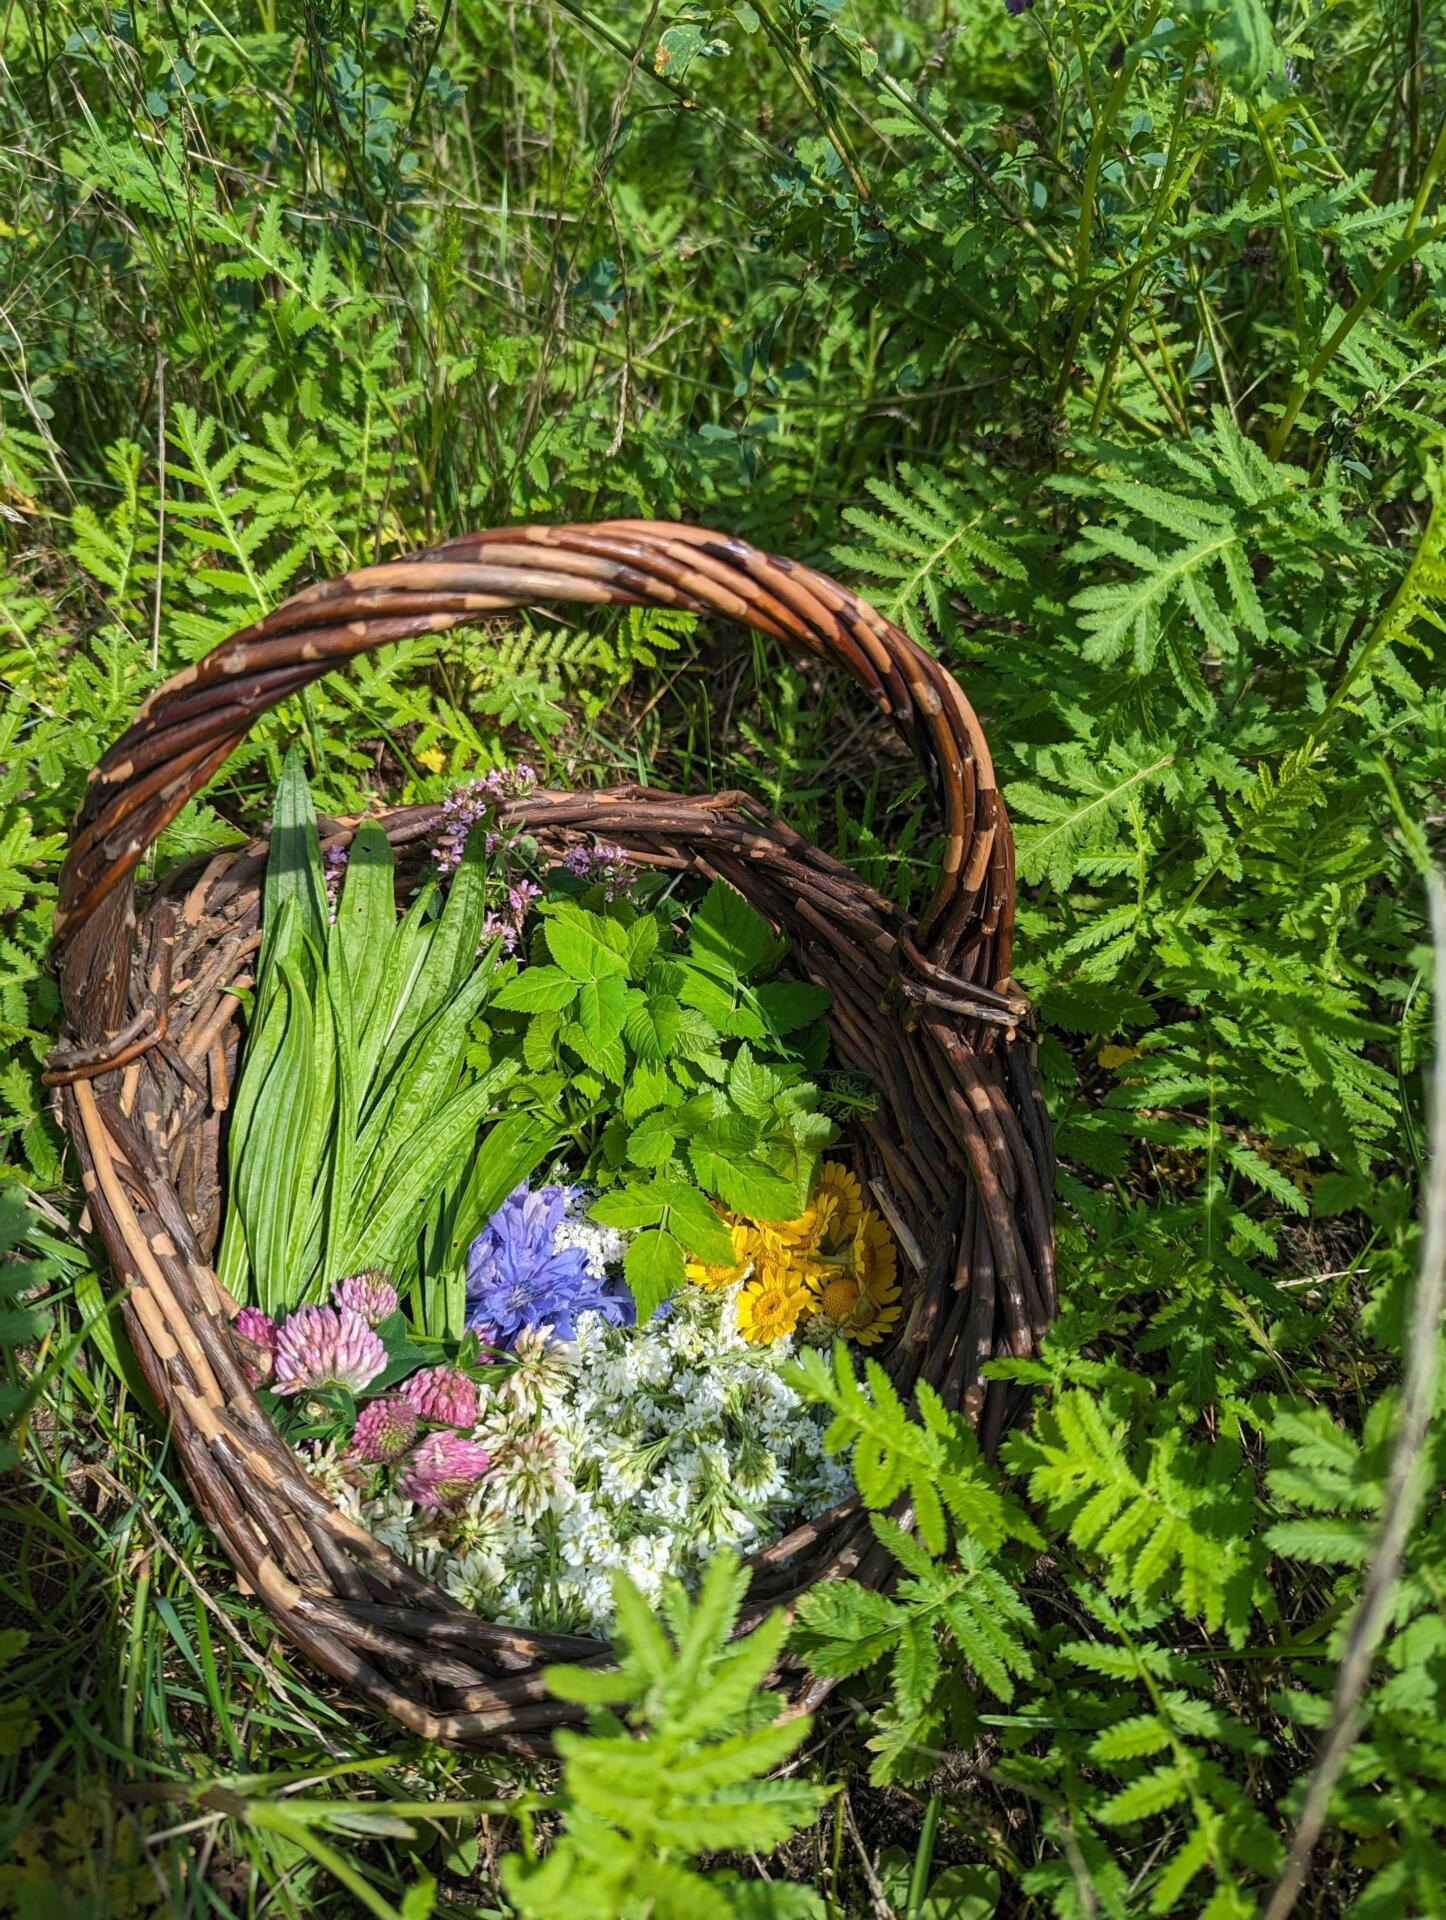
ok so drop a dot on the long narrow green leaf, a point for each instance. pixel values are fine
(422, 1079)
(268, 1188)
(265, 1036)
(391, 1019)
(366, 913)
(312, 1171)
(388, 1232)
(293, 865)
(345, 1107)
(453, 952)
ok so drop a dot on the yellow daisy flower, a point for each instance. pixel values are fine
(831, 1216)
(873, 1256)
(859, 1297)
(773, 1303)
(838, 1295)
(875, 1315)
(838, 1201)
(747, 1251)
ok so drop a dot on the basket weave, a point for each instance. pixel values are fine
(958, 1154)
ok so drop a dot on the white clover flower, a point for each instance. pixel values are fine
(530, 1474)
(540, 1374)
(473, 1578)
(326, 1467)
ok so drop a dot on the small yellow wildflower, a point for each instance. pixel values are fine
(860, 1296)
(839, 1203)
(831, 1216)
(773, 1303)
(747, 1250)
(875, 1315)
(872, 1255)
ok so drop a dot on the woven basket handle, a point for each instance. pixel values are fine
(186, 728)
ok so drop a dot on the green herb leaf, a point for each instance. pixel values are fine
(726, 934)
(653, 1267)
(578, 944)
(537, 990)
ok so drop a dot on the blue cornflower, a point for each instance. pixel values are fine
(517, 1275)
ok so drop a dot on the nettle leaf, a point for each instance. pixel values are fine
(787, 1005)
(652, 1141)
(652, 1026)
(654, 1269)
(539, 1043)
(752, 1088)
(697, 1224)
(649, 1086)
(641, 943)
(727, 934)
(602, 1008)
(671, 1204)
(635, 1206)
(717, 1001)
(749, 1187)
(723, 1140)
(537, 990)
(581, 944)
(609, 1060)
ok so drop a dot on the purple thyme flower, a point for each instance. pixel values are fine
(384, 1430)
(517, 1275)
(464, 807)
(506, 925)
(494, 927)
(442, 1396)
(324, 1347)
(260, 1329)
(441, 1469)
(368, 1293)
(1017, 6)
(606, 864)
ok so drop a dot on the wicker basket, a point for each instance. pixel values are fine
(958, 1155)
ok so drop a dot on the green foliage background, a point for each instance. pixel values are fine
(1104, 346)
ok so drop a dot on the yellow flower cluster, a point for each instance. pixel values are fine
(836, 1261)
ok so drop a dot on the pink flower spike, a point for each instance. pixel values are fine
(368, 1293)
(384, 1430)
(442, 1469)
(260, 1329)
(324, 1347)
(442, 1396)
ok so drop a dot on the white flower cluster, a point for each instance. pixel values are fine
(602, 1247)
(644, 1448)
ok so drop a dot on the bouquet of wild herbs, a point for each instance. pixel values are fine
(520, 1382)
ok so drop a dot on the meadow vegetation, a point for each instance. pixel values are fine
(1103, 345)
